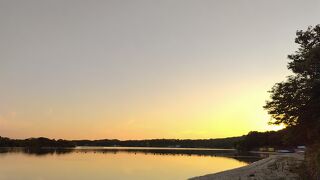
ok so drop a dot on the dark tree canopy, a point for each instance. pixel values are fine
(296, 101)
(305, 60)
(288, 98)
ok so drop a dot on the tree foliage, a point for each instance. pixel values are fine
(296, 101)
(35, 142)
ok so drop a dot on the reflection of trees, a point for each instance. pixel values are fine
(168, 151)
(248, 158)
(41, 151)
(36, 151)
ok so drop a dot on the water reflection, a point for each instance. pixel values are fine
(230, 153)
(100, 163)
(36, 151)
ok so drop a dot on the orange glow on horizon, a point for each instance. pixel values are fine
(193, 114)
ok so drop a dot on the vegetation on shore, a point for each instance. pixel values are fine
(284, 138)
(183, 143)
(253, 140)
(35, 142)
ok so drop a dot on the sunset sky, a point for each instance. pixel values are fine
(81, 69)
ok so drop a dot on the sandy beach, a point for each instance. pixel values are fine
(280, 166)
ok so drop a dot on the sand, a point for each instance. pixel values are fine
(280, 166)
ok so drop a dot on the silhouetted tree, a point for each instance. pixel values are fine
(296, 101)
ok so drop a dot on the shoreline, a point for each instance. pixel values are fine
(279, 166)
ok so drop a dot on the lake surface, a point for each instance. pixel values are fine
(98, 163)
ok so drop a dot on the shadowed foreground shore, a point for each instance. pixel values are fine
(283, 166)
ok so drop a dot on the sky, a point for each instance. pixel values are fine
(143, 69)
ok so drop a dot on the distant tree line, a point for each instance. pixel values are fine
(35, 142)
(183, 143)
(177, 143)
(253, 140)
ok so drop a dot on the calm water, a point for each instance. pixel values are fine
(115, 163)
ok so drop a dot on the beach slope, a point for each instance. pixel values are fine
(281, 166)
